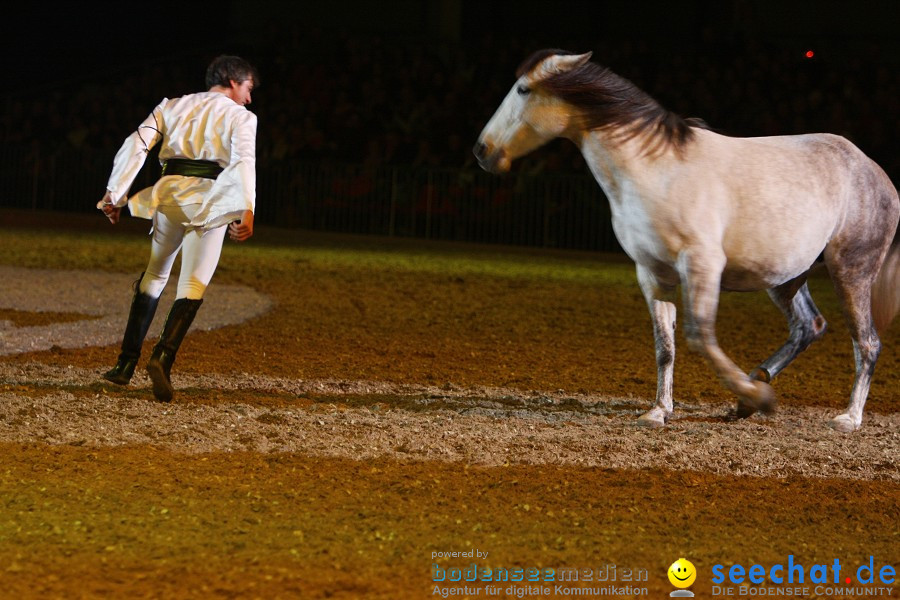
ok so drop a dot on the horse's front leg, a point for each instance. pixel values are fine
(701, 273)
(663, 314)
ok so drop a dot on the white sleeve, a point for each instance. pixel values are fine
(132, 154)
(242, 167)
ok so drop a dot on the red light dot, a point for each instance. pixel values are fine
(809, 54)
(847, 580)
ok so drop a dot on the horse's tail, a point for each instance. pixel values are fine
(886, 290)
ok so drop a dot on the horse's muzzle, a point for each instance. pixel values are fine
(489, 160)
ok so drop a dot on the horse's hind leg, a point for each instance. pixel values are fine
(853, 284)
(663, 314)
(805, 322)
(701, 278)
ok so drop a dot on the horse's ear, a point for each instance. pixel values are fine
(572, 62)
(563, 63)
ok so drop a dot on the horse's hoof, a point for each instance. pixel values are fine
(654, 417)
(844, 423)
(763, 401)
(745, 409)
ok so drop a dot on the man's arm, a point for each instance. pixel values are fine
(131, 156)
(243, 160)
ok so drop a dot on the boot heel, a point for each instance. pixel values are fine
(162, 385)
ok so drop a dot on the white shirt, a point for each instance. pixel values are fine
(205, 126)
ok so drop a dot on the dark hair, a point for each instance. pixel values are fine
(225, 69)
(606, 99)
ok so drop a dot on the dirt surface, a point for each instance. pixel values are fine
(376, 416)
(475, 426)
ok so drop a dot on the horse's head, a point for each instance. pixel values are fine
(528, 117)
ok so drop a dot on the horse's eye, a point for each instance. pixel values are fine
(523, 91)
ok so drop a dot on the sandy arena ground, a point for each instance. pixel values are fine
(333, 429)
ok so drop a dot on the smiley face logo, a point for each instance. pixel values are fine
(682, 573)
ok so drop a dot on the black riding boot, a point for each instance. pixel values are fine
(160, 366)
(143, 307)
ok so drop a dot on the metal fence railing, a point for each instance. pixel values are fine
(551, 210)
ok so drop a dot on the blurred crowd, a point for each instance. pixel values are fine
(380, 101)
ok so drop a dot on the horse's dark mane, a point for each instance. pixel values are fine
(608, 100)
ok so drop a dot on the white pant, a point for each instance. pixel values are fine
(199, 253)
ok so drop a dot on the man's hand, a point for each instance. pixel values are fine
(243, 229)
(112, 212)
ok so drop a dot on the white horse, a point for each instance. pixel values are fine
(713, 213)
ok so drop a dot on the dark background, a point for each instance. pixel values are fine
(409, 84)
(58, 42)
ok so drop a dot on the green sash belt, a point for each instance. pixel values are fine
(191, 168)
